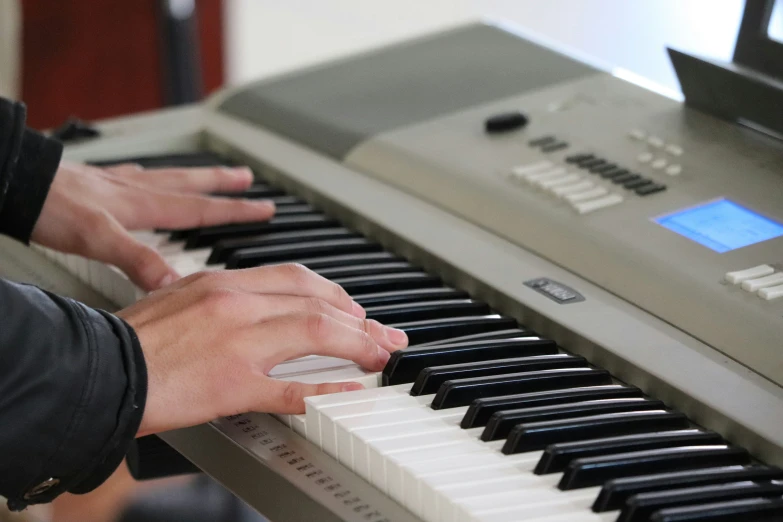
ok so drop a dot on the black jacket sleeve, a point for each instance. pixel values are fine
(73, 381)
(28, 162)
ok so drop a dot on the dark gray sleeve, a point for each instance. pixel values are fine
(28, 163)
(73, 385)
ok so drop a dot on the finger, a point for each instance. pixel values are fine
(203, 179)
(172, 210)
(288, 397)
(144, 266)
(298, 335)
(289, 279)
(269, 306)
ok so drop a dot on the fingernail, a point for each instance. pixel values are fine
(397, 337)
(352, 386)
(166, 281)
(358, 310)
(266, 205)
(241, 172)
(383, 356)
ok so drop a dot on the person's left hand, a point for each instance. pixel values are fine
(90, 210)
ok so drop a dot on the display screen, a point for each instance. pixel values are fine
(722, 225)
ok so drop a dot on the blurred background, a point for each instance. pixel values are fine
(103, 58)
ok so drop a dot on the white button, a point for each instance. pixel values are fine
(753, 285)
(739, 276)
(773, 292)
(644, 157)
(548, 174)
(655, 141)
(674, 170)
(659, 163)
(521, 170)
(637, 134)
(559, 181)
(573, 189)
(596, 204)
(674, 150)
(588, 194)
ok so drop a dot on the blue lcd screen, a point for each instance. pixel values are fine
(722, 225)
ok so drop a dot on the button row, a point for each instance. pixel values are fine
(655, 142)
(660, 163)
(616, 174)
(583, 195)
(548, 144)
(762, 280)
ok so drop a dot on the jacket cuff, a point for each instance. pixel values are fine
(92, 450)
(28, 184)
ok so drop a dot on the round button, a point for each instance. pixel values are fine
(505, 122)
(43, 487)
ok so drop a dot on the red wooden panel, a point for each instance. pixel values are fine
(97, 59)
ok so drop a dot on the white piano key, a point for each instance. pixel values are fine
(581, 516)
(436, 489)
(320, 409)
(300, 366)
(463, 464)
(299, 425)
(395, 465)
(446, 495)
(355, 433)
(342, 411)
(539, 505)
(372, 463)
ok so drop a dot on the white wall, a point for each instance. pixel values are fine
(271, 36)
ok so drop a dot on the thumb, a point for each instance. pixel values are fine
(288, 396)
(142, 264)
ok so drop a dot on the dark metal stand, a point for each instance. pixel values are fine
(181, 54)
(747, 90)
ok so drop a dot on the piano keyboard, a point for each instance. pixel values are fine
(480, 419)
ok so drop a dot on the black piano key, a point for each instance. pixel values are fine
(180, 160)
(750, 510)
(421, 311)
(427, 331)
(250, 257)
(368, 284)
(538, 435)
(461, 392)
(337, 272)
(502, 422)
(483, 336)
(404, 365)
(430, 379)
(642, 506)
(409, 296)
(295, 210)
(615, 493)
(481, 410)
(223, 249)
(208, 236)
(594, 471)
(258, 191)
(316, 263)
(557, 457)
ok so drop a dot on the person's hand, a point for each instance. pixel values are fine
(210, 340)
(89, 211)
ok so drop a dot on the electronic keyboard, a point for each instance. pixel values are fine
(590, 275)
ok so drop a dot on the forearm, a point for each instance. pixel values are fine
(28, 163)
(72, 393)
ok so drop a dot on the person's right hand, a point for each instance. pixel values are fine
(210, 340)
